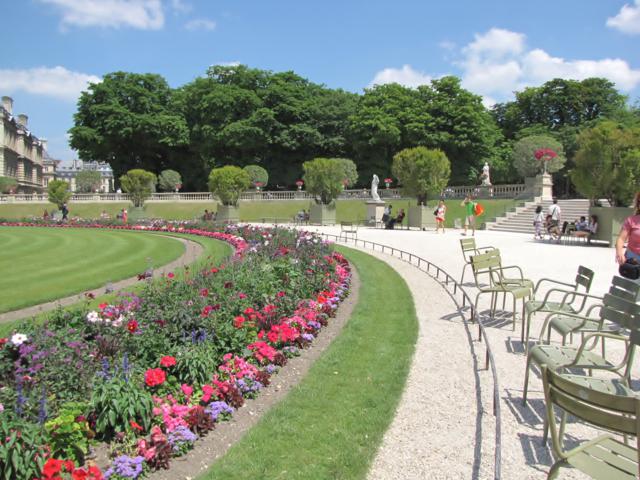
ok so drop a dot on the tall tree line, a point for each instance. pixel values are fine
(236, 115)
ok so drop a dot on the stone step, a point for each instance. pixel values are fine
(521, 218)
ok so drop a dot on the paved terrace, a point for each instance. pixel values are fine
(444, 427)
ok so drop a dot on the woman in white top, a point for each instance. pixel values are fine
(538, 222)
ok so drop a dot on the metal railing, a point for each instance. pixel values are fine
(418, 262)
(492, 191)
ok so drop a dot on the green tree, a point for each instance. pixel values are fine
(257, 175)
(525, 161)
(58, 191)
(168, 180)
(138, 183)
(88, 181)
(228, 182)
(608, 163)
(7, 184)
(350, 172)
(130, 119)
(421, 171)
(324, 178)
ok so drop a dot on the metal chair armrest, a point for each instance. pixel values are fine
(551, 280)
(511, 267)
(603, 335)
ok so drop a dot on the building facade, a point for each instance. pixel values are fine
(49, 169)
(69, 174)
(21, 152)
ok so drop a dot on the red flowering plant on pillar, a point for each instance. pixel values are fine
(545, 155)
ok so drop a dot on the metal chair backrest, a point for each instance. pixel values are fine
(584, 278)
(489, 264)
(616, 413)
(620, 311)
(468, 246)
(624, 288)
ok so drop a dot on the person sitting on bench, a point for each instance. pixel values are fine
(392, 222)
(591, 230)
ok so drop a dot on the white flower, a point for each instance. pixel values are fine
(266, 242)
(18, 339)
(93, 317)
(1, 408)
(118, 321)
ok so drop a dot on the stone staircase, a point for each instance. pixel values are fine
(521, 220)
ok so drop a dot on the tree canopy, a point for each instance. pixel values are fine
(227, 183)
(169, 180)
(88, 181)
(139, 184)
(58, 192)
(324, 177)
(7, 184)
(422, 171)
(524, 155)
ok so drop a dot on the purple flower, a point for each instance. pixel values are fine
(125, 467)
(181, 436)
(215, 409)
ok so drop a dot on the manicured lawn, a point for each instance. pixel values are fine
(214, 253)
(42, 264)
(331, 425)
(347, 210)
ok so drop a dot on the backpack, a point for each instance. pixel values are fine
(478, 209)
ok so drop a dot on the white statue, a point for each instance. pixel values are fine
(374, 188)
(486, 178)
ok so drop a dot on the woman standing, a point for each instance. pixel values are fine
(538, 221)
(630, 234)
(440, 214)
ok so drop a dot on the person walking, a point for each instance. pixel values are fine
(630, 235)
(470, 215)
(441, 211)
(538, 222)
(65, 212)
(556, 217)
(125, 215)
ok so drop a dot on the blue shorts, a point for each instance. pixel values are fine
(630, 254)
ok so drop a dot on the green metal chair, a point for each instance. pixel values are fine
(490, 265)
(614, 309)
(569, 302)
(604, 457)
(469, 248)
(568, 324)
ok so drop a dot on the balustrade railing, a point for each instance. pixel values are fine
(494, 191)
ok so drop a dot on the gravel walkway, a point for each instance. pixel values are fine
(192, 251)
(444, 427)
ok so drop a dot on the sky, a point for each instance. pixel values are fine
(52, 49)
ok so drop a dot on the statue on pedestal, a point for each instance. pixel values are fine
(374, 188)
(486, 178)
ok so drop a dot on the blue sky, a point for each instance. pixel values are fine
(52, 48)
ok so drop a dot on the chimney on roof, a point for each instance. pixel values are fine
(43, 141)
(23, 120)
(7, 103)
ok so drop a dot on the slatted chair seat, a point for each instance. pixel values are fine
(535, 305)
(565, 325)
(607, 459)
(613, 386)
(556, 356)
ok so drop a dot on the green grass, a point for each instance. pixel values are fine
(330, 426)
(43, 264)
(214, 252)
(283, 210)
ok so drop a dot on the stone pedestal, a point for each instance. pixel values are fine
(543, 186)
(375, 210)
(421, 217)
(322, 214)
(228, 214)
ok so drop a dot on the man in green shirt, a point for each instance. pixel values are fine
(470, 215)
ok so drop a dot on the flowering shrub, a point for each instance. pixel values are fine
(163, 367)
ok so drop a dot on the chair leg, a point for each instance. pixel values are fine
(526, 381)
(504, 300)
(513, 325)
(555, 470)
(463, 270)
(545, 432)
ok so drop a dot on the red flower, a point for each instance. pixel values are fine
(206, 311)
(238, 321)
(280, 294)
(154, 377)
(214, 270)
(135, 426)
(228, 284)
(92, 474)
(170, 275)
(204, 292)
(132, 326)
(167, 361)
(102, 306)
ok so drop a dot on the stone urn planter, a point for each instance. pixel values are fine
(421, 217)
(610, 219)
(228, 214)
(322, 214)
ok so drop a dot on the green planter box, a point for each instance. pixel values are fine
(228, 214)
(610, 219)
(322, 214)
(422, 217)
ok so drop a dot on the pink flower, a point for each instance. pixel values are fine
(186, 389)
(170, 275)
(167, 361)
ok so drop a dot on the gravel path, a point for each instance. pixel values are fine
(192, 251)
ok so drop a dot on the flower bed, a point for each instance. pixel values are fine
(148, 374)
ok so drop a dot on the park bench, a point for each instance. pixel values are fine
(348, 229)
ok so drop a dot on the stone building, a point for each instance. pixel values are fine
(21, 152)
(49, 169)
(69, 173)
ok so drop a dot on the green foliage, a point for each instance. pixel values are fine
(421, 171)
(21, 453)
(524, 159)
(88, 181)
(608, 163)
(168, 180)
(7, 184)
(138, 184)
(130, 119)
(68, 434)
(117, 400)
(195, 364)
(257, 174)
(58, 191)
(227, 183)
(350, 172)
(324, 178)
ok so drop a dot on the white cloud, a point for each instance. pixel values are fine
(141, 14)
(499, 62)
(406, 76)
(200, 24)
(447, 45)
(57, 82)
(181, 7)
(627, 20)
